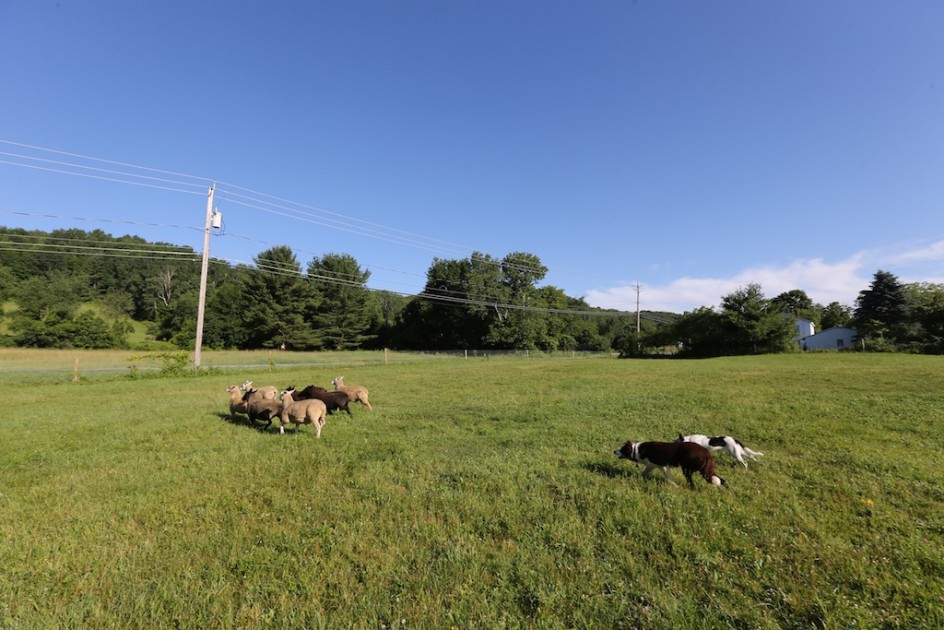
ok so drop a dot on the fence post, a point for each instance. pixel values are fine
(75, 371)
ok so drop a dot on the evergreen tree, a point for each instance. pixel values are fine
(343, 317)
(278, 303)
(882, 310)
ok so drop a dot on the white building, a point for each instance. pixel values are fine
(804, 328)
(838, 338)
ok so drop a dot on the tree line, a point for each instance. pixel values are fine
(72, 288)
(888, 316)
(88, 289)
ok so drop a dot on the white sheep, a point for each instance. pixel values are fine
(356, 393)
(311, 411)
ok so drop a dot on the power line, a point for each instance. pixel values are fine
(202, 180)
(254, 200)
(97, 220)
(277, 270)
(335, 220)
(63, 245)
(99, 177)
(90, 168)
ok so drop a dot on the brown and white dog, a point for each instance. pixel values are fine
(690, 457)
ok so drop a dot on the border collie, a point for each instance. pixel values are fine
(722, 442)
(688, 456)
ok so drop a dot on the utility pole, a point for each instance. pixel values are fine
(637, 308)
(201, 306)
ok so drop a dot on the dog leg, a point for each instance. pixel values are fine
(688, 475)
(738, 453)
(665, 471)
(647, 472)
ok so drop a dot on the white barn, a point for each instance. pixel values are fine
(838, 338)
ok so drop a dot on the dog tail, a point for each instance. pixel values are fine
(710, 474)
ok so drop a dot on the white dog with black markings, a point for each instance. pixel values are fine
(722, 443)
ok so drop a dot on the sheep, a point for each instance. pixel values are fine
(332, 400)
(356, 393)
(311, 411)
(236, 401)
(258, 407)
(269, 392)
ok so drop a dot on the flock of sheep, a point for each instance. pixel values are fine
(308, 406)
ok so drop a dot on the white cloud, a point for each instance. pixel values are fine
(824, 282)
(932, 253)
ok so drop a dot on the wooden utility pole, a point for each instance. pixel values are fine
(637, 308)
(201, 305)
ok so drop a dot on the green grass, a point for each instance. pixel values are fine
(481, 493)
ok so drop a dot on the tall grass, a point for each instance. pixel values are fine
(481, 493)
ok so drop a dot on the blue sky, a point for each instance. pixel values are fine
(689, 147)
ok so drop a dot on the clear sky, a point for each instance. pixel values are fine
(691, 147)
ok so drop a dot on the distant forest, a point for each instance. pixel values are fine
(77, 289)
(72, 288)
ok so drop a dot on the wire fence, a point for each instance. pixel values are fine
(52, 366)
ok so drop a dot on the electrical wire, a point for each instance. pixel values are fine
(93, 168)
(341, 222)
(253, 200)
(104, 161)
(278, 270)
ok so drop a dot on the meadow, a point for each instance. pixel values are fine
(480, 493)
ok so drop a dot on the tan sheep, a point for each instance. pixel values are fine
(236, 402)
(311, 411)
(269, 392)
(356, 393)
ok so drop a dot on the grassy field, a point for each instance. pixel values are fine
(480, 494)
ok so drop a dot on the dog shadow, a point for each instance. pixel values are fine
(242, 421)
(608, 469)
